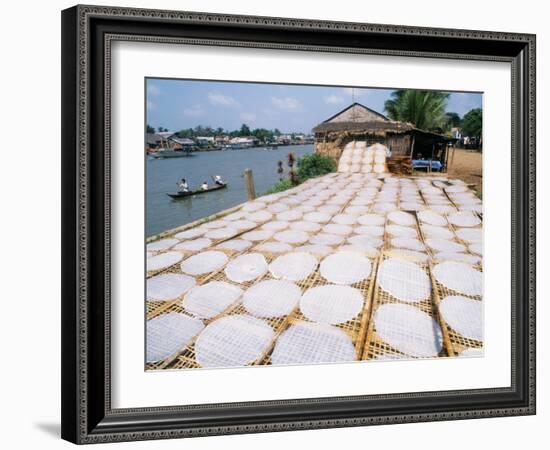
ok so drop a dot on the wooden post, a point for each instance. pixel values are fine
(249, 181)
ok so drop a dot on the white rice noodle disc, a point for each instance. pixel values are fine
(380, 159)
(371, 219)
(364, 240)
(211, 299)
(408, 330)
(402, 218)
(355, 168)
(259, 216)
(432, 231)
(432, 218)
(345, 268)
(476, 248)
(333, 228)
(404, 280)
(194, 244)
(315, 249)
(277, 207)
(293, 266)
(312, 343)
(344, 219)
(360, 250)
(401, 231)
(412, 206)
(373, 231)
(471, 353)
(235, 244)
(204, 262)
(221, 233)
(246, 267)
(384, 207)
(233, 341)
(241, 224)
(312, 227)
(379, 168)
(456, 189)
(327, 239)
(190, 234)
(291, 236)
(163, 244)
(443, 245)
(356, 210)
(253, 206)
(257, 235)
(216, 224)
(163, 261)
(318, 217)
(470, 234)
(408, 243)
(459, 257)
(304, 208)
(465, 316)
(443, 209)
(464, 219)
(290, 215)
(407, 254)
(331, 304)
(272, 298)
(168, 333)
(276, 225)
(168, 286)
(274, 247)
(459, 277)
(473, 208)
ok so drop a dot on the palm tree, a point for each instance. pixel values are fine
(424, 109)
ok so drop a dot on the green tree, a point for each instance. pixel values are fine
(245, 130)
(219, 131)
(314, 165)
(424, 109)
(150, 129)
(453, 120)
(472, 123)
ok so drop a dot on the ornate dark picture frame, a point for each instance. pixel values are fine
(87, 35)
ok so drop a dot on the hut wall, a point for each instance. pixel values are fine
(399, 144)
(334, 144)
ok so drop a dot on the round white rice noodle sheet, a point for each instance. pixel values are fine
(344, 219)
(259, 216)
(366, 168)
(194, 244)
(290, 215)
(168, 286)
(401, 231)
(456, 188)
(277, 207)
(204, 262)
(384, 207)
(274, 247)
(443, 209)
(408, 330)
(408, 243)
(242, 224)
(318, 217)
(291, 236)
(373, 231)
(304, 208)
(312, 227)
(333, 228)
(476, 248)
(443, 245)
(293, 266)
(464, 219)
(471, 353)
(327, 239)
(233, 341)
(474, 208)
(371, 219)
(470, 234)
(404, 280)
(364, 240)
(315, 249)
(313, 343)
(163, 244)
(272, 298)
(433, 231)
(253, 206)
(221, 233)
(407, 254)
(331, 304)
(190, 234)
(356, 209)
(459, 257)
(412, 206)
(463, 315)
(163, 261)
(402, 218)
(246, 267)
(379, 168)
(168, 333)
(276, 225)
(257, 235)
(235, 244)
(459, 277)
(380, 159)
(216, 224)
(345, 268)
(211, 299)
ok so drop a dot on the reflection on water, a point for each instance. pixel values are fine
(164, 213)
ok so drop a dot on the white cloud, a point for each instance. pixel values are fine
(194, 111)
(250, 117)
(334, 99)
(153, 90)
(286, 103)
(222, 100)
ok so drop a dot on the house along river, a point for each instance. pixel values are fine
(164, 213)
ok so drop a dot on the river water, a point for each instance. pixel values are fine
(164, 213)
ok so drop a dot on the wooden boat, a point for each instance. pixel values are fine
(182, 194)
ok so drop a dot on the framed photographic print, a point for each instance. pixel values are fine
(281, 224)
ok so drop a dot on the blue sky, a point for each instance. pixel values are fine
(177, 104)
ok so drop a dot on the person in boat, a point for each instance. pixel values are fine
(204, 186)
(184, 187)
(218, 180)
